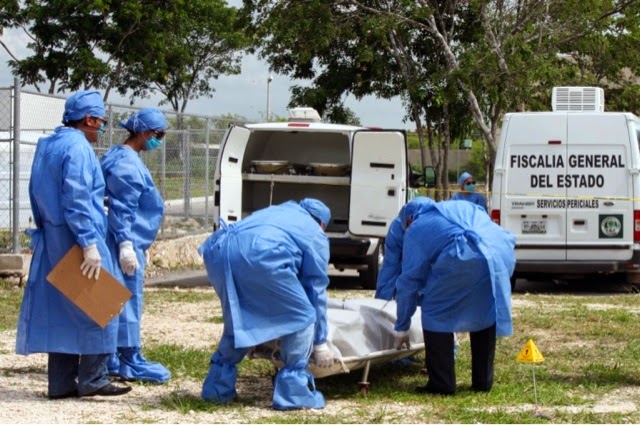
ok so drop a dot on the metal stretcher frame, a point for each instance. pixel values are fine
(345, 364)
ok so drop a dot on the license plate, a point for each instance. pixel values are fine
(538, 227)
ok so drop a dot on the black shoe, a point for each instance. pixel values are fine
(70, 394)
(109, 390)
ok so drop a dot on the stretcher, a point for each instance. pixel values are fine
(360, 335)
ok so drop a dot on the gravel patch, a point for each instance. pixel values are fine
(193, 324)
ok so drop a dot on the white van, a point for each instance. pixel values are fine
(567, 184)
(361, 174)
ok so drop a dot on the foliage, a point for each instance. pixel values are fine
(65, 37)
(477, 164)
(453, 63)
(204, 42)
(126, 45)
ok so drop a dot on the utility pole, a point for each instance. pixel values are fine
(269, 80)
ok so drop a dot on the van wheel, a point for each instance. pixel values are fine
(369, 277)
(513, 282)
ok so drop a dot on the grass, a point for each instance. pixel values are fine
(160, 297)
(10, 299)
(591, 346)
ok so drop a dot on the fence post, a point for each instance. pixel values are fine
(16, 166)
(206, 176)
(110, 119)
(187, 173)
(163, 178)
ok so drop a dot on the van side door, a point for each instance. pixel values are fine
(230, 173)
(378, 180)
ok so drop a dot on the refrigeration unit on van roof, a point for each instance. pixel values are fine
(577, 99)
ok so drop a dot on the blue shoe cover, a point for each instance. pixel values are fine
(220, 384)
(113, 365)
(296, 389)
(134, 367)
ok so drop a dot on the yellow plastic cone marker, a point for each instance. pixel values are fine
(530, 354)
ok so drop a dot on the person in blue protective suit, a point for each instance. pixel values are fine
(135, 215)
(67, 200)
(460, 265)
(270, 272)
(467, 191)
(392, 262)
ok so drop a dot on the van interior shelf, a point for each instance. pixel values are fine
(287, 178)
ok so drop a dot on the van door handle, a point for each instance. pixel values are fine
(608, 203)
(579, 222)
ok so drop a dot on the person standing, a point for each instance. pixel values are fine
(67, 201)
(135, 215)
(270, 273)
(468, 191)
(459, 266)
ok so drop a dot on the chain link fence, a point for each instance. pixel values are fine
(182, 168)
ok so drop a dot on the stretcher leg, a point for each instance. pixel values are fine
(364, 384)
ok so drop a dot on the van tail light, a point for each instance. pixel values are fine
(636, 226)
(495, 217)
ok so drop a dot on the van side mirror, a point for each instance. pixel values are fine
(429, 176)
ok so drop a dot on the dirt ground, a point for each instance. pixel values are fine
(23, 380)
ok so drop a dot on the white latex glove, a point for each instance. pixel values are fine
(128, 259)
(322, 355)
(91, 265)
(401, 340)
(147, 258)
(105, 205)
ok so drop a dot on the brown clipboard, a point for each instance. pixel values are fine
(100, 299)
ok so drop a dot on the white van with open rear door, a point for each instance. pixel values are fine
(567, 184)
(361, 174)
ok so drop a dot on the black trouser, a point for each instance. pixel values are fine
(440, 360)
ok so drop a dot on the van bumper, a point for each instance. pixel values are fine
(348, 251)
(578, 267)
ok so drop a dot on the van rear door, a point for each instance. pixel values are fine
(533, 207)
(232, 152)
(378, 181)
(599, 182)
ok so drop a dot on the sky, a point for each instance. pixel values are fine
(244, 94)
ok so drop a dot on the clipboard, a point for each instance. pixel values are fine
(100, 299)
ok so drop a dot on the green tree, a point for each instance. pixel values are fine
(205, 41)
(64, 37)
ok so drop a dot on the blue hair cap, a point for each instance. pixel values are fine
(317, 209)
(81, 104)
(463, 177)
(411, 208)
(146, 119)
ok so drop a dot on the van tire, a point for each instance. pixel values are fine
(513, 282)
(369, 277)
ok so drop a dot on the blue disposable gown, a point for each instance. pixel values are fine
(135, 214)
(270, 272)
(473, 197)
(461, 263)
(67, 197)
(392, 262)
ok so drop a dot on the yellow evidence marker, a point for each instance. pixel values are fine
(530, 354)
